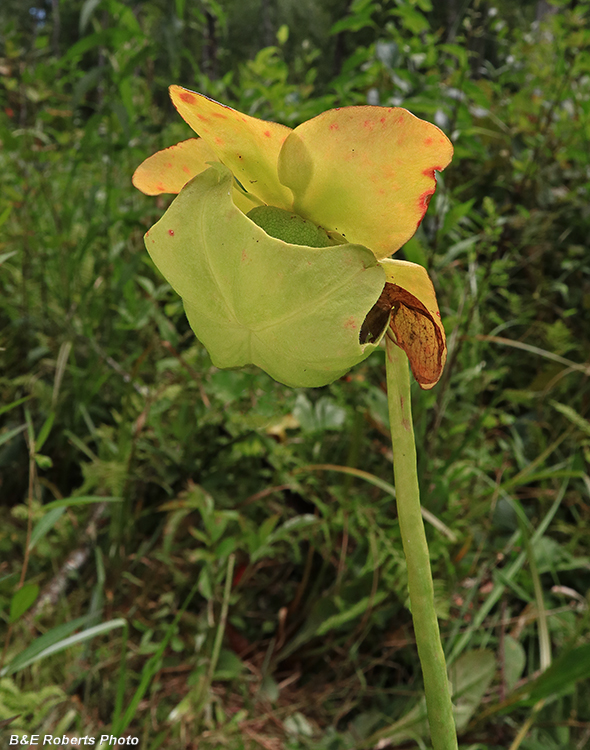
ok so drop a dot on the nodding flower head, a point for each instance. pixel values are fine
(279, 240)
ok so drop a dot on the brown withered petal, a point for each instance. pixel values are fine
(414, 330)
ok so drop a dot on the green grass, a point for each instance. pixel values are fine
(185, 493)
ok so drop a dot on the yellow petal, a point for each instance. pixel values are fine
(169, 170)
(247, 146)
(365, 172)
(409, 298)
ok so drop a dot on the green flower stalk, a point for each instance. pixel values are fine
(278, 243)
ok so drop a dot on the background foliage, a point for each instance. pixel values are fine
(205, 558)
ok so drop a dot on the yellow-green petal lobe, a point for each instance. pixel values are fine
(365, 172)
(169, 170)
(295, 311)
(247, 146)
(415, 322)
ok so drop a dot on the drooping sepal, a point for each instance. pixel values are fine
(408, 306)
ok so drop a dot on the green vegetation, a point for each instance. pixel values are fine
(205, 558)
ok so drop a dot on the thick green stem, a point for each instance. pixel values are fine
(436, 686)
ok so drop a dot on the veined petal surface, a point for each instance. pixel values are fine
(365, 172)
(247, 146)
(294, 311)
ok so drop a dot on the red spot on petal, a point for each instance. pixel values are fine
(169, 164)
(160, 187)
(334, 126)
(368, 124)
(427, 141)
(267, 133)
(244, 256)
(171, 232)
(186, 170)
(350, 324)
(382, 121)
(219, 141)
(220, 115)
(202, 117)
(188, 98)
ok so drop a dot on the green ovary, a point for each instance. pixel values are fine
(289, 227)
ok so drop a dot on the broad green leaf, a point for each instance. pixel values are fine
(22, 600)
(411, 19)
(267, 527)
(325, 414)
(247, 146)
(470, 677)
(294, 311)
(269, 688)
(514, 661)
(297, 725)
(229, 666)
(364, 172)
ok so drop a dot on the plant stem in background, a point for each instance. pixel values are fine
(436, 686)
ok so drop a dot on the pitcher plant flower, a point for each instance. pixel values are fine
(279, 239)
(278, 243)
